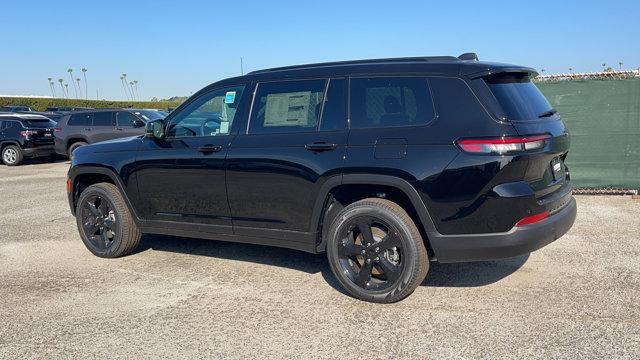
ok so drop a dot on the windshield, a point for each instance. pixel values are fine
(519, 97)
(150, 115)
(40, 123)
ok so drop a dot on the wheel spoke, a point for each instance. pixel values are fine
(391, 271)
(94, 210)
(103, 208)
(108, 223)
(365, 229)
(90, 228)
(389, 241)
(364, 275)
(105, 238)
(349, 249)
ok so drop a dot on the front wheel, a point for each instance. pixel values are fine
(105, 223)
(73, 147)
(376, 251)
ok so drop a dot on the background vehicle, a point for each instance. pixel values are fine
(383, 164)
(25, 136)
(86, 127)
(15, 108)
(64, 109)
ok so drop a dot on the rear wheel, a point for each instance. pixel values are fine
(12, 155)
(376, 251)
(74, 146)
(105, 223)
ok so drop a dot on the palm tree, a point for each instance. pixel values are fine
(133, 95)
(61, 86)
(604, 66)
(66, 86)
(53, 92)
(570, 70)
(124, 80)
(123, 87)
(86, 93)
(620, 63)
(70, 71)
(135, 83)
(79, 88)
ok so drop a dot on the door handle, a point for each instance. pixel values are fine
(210, 148)
(119, 129)
(321, 146)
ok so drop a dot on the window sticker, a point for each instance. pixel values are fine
(230, 97)
(288, 109)
(224, 127)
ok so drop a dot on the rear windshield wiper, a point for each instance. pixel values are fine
(548, 113)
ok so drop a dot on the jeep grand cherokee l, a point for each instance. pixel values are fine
(385, 165)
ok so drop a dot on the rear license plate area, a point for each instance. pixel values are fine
(556, 168)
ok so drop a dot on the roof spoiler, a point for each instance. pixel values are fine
(469, 56)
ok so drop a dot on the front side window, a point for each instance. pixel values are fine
(125, 119)
(80, 119)
(390, 101)
(287, 107)
(212, 114)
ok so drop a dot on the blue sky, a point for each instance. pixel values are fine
(177, 47)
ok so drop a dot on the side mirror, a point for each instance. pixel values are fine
(138, 123)
(155, 129)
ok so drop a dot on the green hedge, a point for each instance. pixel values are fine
(42, 103)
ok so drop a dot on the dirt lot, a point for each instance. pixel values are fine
(577, 298)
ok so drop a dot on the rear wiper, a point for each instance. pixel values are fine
(548, 113)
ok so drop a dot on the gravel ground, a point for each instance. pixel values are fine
(185, 298)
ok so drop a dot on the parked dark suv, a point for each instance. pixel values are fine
(86, 127)
(382, 164)
(25, 136)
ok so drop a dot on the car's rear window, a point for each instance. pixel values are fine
(40, 124)
(519, 98)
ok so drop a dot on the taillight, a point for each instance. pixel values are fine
(533, 219)
(57, 129)
(27, 133)
(503, 145)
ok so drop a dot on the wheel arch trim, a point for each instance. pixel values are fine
(369, 179)
(74, 172)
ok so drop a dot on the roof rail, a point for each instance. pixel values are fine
(359, 62)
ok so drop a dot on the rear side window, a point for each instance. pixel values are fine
(43, 124)
(519, 98)
(103, 119)
(287, 106)
(334, 112)
(390, 101)
(80, 120)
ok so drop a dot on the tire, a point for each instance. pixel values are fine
(107, 229)
(391, 254)
(12, 155)
(74, 146)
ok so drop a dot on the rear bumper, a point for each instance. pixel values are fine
(517, 241)
(60, 146)
(39, 151)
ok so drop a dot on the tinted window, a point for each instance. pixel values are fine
(211, 114)
(2, 125)
(519, 98)
(103, 119)
(44, 123)
(80, 119)
(390, 101)
(126, 118)
(288, 106)
(334, 112)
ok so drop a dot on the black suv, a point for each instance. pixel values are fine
(383, 164)
(25, 136)
(87, 127)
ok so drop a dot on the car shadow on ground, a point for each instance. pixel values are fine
(440, 275)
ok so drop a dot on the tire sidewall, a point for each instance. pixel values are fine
(74, 146)
(402, 287)
(117, 240)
